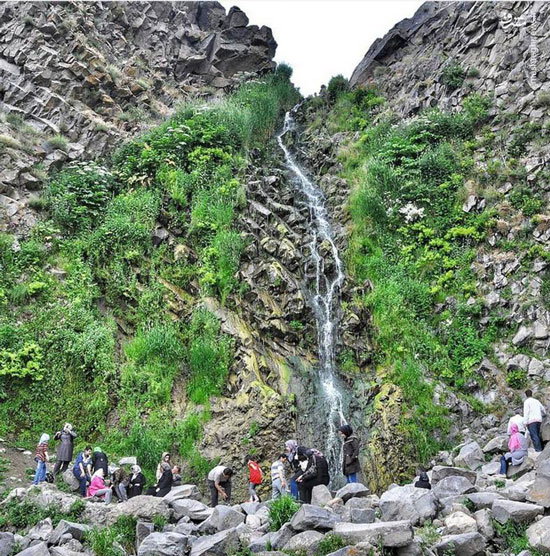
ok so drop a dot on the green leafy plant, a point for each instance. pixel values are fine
(453, 75)
(281, 511)
(330, 543)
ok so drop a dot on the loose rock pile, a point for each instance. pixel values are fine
(462, 513)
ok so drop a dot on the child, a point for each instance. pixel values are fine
(41, 459)
(278, 481)
(255, 478)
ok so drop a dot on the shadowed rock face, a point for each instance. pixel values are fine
(98, 72)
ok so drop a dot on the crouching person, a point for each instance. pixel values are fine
(98, 488)
(219, 481)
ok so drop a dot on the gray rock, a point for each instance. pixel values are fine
(320, 495)
(538, 535)
(517, 471)
(408, 503)
(522, 336)
(7, 542)
(130, 460)
(250, 507)
(70, 479)
(467, 544)
(539, 492)
(219, 544)
(76, 530)
(64, 551)
(195, 510)
(307, 541)
(312, 517)
(259, 545)
(458, 523)
(390, 534)
(496, 445)
(484, 500)
(492, 468)
(282, 536)
(143, 530)
(163, 544)
(485, 523)
(470, 456)
(452, 486)
(183, 491)
(352, 490)
(518, 512)
(41, 531)
(362, 515)
(441, 472)
(40, 549)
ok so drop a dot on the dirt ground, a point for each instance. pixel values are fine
(13, 467)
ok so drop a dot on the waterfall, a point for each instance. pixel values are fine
(323, 269)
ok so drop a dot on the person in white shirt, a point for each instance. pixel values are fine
(219, 481)
(517, 419)
(533, 412)
(278, 481)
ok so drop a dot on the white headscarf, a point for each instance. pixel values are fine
(136, 470)
(44, 438)
(99, 473)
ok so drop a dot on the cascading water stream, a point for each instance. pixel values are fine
(324, 296)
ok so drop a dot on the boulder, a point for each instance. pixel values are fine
(64, 551)
(259, 545)
(470, 456)
(282, 536)
(163, 544)
(390, 534)
(7, 542)
(219, 544)
(224, 517)
(517, 471)
(130, 460)
(253, 521)
(467, 544)
(361, 549)
(538, 535)
(458, 523)
(70, 479)
(76, 530)
(320, 495)
(41, 531)
(440, 472)
(408, 503)
(312, 517)
(250, 507)
(492, 468)
(483, 500)
(183, 491)
(143, 530)
(518, 512)
(485, 523)
(352, 490)
(362, 515)
(539, 492)
(307, 541)
(141, 507)
(40, 549)
(497, 445)
(453, 485)
(195, 510)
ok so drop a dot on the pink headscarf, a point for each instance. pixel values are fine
(514, 444)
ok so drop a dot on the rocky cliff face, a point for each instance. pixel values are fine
(78, 78)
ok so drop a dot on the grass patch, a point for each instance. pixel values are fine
(281, 511)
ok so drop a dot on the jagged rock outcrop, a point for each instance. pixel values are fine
(78, 78)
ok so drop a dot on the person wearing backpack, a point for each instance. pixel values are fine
(255, 477)
(41, 459)
(100, 461)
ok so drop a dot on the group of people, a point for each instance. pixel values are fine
(97, 479)
(518, 425)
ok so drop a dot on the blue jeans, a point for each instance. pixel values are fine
(534, 433)
(82, 482)
(294, 489)
(351, 478)
(40, 475)
(503, 465)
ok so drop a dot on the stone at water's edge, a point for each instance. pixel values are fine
(390, 534)
(538, 535)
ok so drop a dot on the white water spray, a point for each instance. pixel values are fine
(324, 296)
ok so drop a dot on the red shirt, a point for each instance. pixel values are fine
(255, 473)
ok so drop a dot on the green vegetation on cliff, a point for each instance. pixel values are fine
(89, 302)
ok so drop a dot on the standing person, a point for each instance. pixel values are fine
(41, 459)
(315, 472)
(291, 448)
(65, 449)
(518, 450)
(219, 482)
(255, 476)
(533, 412)
(278, 481)
(350, 463)
(81, 469)
(137, 482)
(100, 461)
(165, 459)
(98, 488)
(121, 481)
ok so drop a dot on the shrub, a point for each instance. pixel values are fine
(453, 75)
(57, 142)
(281, 511)
(78, 195)
(517, 379)
(336, 86)
(24, 362)
(104, 541)
(330, 543)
